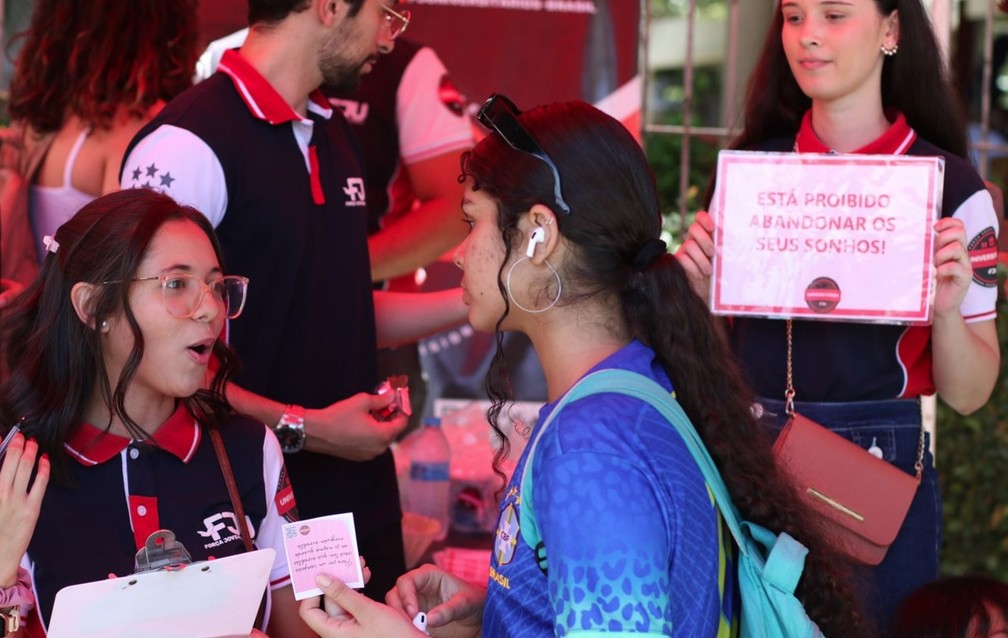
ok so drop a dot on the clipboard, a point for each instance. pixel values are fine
(205, 599)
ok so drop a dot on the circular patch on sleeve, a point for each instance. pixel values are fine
(983, 256)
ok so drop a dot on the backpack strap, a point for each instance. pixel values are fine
(640, 387)
(526, 514)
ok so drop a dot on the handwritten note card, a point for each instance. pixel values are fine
(327, 544)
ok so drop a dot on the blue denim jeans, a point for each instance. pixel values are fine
(893, 426)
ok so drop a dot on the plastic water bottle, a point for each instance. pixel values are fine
(430, 483)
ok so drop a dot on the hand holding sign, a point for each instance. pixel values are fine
(696, 253)
(952, 264)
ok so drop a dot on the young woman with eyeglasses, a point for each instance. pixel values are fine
(564, 246)
(868, 77)
(109, 354)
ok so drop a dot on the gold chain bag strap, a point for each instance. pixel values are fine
(862, 499)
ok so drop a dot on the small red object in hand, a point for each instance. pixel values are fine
(399, 386)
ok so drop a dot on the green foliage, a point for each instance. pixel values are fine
(664, 149)
(664, 152)
(972, 466)
(679, 8)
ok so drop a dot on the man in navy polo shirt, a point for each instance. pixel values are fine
(261, 152)
(411, 124)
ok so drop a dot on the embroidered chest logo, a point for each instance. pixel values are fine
(222, 522)
(355, 112)
(354, 190)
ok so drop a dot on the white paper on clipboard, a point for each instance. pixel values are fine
(209, 598)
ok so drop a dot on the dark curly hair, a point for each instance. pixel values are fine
(95, 58)
(55, 361)
(615, 210)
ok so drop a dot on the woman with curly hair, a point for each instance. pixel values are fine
(89, 74)
(867, 77)
(564, 247)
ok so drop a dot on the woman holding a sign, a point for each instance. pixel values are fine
(866, 77)
(564, 247)
(109, 352)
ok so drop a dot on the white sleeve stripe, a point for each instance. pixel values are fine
(988, 316)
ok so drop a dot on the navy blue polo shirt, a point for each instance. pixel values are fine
(121, 491)
(286, 195)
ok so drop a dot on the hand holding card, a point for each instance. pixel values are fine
(327, 544)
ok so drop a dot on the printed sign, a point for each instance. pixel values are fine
(836, 237)
(327, 544)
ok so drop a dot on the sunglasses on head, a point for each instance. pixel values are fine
(501, 115)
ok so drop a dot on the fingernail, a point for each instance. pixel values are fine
(323, 581)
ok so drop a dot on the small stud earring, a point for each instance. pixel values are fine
(889, 51)
(104, 325)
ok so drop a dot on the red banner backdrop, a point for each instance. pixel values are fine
(534, 51)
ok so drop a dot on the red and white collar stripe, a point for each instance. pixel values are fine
(896, 140)
(260, 97)
(179, 435)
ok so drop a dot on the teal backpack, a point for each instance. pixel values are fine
(769, 565)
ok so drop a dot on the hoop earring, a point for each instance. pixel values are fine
(515, 301)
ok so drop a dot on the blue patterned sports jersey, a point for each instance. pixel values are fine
(634, 540)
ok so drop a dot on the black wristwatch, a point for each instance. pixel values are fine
(290, 430)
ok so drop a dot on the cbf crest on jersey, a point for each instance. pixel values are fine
(506, 536)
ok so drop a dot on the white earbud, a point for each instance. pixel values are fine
(537, 236)
(420, 622)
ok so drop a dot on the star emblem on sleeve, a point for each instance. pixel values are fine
(152, 177)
